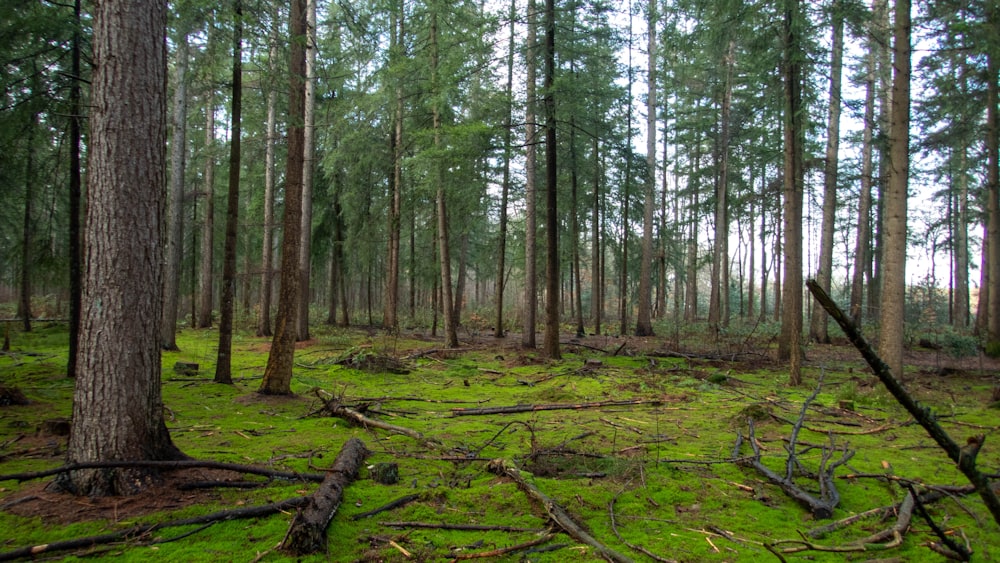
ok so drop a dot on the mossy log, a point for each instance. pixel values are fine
(307, 533)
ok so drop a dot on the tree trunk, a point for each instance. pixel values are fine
(390, 321)
(117, 405)
(208, 226)
(175, 209)
(223, 365)
(993, 187)
(551, 343)
(309, 135)
(643, 317)
(498, 324)
(818, 325)
(597, 262)
(789, 342)
(267, 252)
(862, 247)
(24, 301)
(575, 234)
(960, 226)
(75, 239)
(892, 309)
(530, 188)
(278, 372)
(718, 307)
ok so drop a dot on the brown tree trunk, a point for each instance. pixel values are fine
(24, 301)
(818, 323)
(644, 313)
(267, 252)
(208, 226)
(175, 209)
(530, 189)
(862, 247)
(278, 372)
(75, 183)
(993, 187)
(551, 343)
(498, 324)
(960, 309)
(305, 245)
(893, 295)
(597, 262)
(117, 405)
(390, 321)
(223, 364)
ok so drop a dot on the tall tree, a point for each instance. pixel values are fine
(278, 372)
(175, 216)
(508, 153)
(551, 342)
(530, 189)
(223, 364)
(207, 255)
(75, 192)
(819, 321)
(893, 272)
(862, 243)
(993, 181)
(643, 322)
(270, 140)
(309, 136)
(789, 343)
(117, 405)
(390, 319)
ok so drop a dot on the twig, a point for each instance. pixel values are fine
(462, 527)
(505, 550)
(403, 501)
(550, 407)
(167, 465)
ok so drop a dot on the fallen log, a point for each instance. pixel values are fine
(458, 411)
(307, 533)
(334, 408)
(963, 456)
(165, 465)
(554, 510)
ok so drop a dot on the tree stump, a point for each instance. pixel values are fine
(385, 473)
(307, 533)
(185, 368)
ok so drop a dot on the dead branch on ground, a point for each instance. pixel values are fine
(402, 501)
(550, 407)
(963, 456)
(307, 532)
(506, 550)
(165, 465)
(554, 510)
(333, 407)
(462, 527)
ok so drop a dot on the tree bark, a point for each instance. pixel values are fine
(862, 247)
(551, 343)
(893, 269)
(206, 293)
(223, 365)
(308, 166)
(75, 193)
(24, 297)
(530, 189)
(175, 217)
(498, 323)
(643, 317)
(818, 322)
(278, 372)
(390, 321)
(789, 342)
(307, 533)
(267, 252)
(117, 405)
(993, 186)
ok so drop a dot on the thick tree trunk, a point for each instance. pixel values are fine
(530, 189)
(309, 135)
(208, 225)
(117, 405)
(893, 302)
(267, 252)
(818, 325)
(278, 372)
(789, 342)
(643, 316)
(223, 365)
(175, 217)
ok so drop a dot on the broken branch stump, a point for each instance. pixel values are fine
(554, 510)
(307, 533)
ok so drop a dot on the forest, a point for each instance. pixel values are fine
(602, 207)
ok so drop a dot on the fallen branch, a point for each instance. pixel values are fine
(549, 407)
(505, 550)
(893, 536)
(334, 408)
(963, 456)
(179, 464)
(962, 553)
(145, 529)
(554, 510)
(307, 533)
(461, 527)
(403, 501)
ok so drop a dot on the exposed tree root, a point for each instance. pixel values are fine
(307, 533)
(554, 510)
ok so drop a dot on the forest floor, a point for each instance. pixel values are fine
(634, 438)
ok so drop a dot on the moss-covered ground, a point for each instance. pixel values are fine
(663, 463)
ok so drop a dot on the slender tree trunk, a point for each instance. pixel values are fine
(208, 225)
(278, 372)
(24, 301)
(551, 344)
(596, 261)
(498, 324)
(308, 166)
(530, 188)
(660, 310)
(893, 302)
(882, 34)
(267, 252)
(862, 247)
(390, 321)
(789, 343)
(75, 192)
(643, 322)
(818, 325)
(117, 404)
(993, 186)
(223, 365)
(175, 217)
(577, 285)
(718, 309)
(691, 273)
(960, 310)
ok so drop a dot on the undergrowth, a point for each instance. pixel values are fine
(663, 464)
